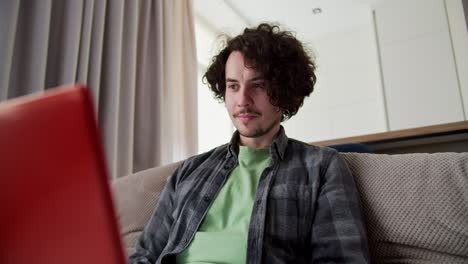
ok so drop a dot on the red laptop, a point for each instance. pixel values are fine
(55, 200)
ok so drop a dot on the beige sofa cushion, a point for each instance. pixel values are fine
(416, 206)
(135, 198)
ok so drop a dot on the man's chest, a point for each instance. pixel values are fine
(282, 193)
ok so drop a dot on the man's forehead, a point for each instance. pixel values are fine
(238, 58)
(237, 66)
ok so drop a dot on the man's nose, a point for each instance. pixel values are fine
(244, 97)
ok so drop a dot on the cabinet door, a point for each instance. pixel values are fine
(418, 65)
(347, 100)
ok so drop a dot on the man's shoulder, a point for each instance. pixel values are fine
(312, 156)
(205, 160)
(299, 152)
(214, 155)
(298, 146)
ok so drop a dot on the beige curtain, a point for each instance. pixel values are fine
(137, 57)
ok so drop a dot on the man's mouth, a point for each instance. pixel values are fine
(246, 116)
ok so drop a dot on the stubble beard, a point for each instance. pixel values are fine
(260, 131)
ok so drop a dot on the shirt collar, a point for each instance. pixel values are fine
(277, 147)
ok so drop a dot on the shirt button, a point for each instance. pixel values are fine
(226, 167)
(206, 198)
(184, 240)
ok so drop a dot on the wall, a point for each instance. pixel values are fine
(214, 125)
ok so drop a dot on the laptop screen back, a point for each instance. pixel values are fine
(55, 201)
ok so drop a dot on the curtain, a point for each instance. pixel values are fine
(137, 57)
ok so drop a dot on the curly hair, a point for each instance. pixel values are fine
(279, 56)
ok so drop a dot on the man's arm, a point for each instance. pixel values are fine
(155, 235)
(338, 231)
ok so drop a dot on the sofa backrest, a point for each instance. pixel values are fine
(415, 205)
(135, 198)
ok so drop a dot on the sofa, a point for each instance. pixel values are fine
(415, 205)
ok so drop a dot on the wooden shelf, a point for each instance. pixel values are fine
(399, 135)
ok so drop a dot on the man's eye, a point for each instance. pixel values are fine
(232, 86)
(259, 85)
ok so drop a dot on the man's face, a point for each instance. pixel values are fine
(247, 101)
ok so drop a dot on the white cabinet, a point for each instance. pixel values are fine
(348, 99)
(459, 33)
(418, 65)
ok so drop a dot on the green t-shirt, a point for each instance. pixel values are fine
(222, 236)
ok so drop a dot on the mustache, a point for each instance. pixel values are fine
(247, 111)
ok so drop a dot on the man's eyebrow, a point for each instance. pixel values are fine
(257, 78)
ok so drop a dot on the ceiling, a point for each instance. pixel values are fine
(232, 16)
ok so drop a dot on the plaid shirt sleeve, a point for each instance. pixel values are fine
(155, 235)
(338, 231)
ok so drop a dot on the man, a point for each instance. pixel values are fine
(262, 198)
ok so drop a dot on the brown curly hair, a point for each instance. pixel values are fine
(279, 56)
